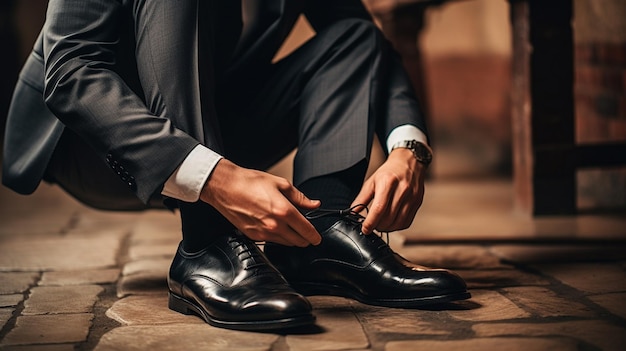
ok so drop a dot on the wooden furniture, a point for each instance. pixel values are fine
(545, 153)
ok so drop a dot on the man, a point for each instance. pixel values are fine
(182, 101)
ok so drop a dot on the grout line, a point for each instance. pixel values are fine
(17, 312)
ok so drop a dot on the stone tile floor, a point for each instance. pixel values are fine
(76, 278)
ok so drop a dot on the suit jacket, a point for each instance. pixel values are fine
(89, 41)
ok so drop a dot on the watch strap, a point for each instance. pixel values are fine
(422, 153)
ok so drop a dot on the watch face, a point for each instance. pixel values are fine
(421, 152)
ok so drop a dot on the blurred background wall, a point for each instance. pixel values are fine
(20, 22)
(467, 49)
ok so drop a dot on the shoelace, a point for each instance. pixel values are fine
(253, 255)
(350, 214)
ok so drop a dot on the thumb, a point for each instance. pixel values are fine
(300, 200)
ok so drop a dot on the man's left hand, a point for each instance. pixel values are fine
(394, 193)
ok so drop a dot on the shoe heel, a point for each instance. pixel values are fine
(177, 304)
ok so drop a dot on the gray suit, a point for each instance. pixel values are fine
(138, 84)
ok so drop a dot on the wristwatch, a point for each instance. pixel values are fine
(420, 151)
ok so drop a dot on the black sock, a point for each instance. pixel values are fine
(336, 191)
(201, 224)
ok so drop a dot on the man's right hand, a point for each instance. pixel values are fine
(262, 206)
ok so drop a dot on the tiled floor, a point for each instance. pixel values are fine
(72, 277)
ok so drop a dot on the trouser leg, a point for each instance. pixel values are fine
(328, 98)
(178, 45)
(201, 223)
(178, 48)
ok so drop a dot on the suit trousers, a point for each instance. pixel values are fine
(323, 98)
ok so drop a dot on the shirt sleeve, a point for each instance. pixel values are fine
(406, 132)
(188, 179)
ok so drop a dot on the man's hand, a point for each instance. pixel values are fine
(393, 193)
(262, 206)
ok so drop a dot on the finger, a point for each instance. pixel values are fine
(293, 218)
(390, 219)
(374, 216)
(294, 238)
(378, 208)
(304, 229)
(412, 205)
(401, 220)
(365, 195)
(409, 210)
(298, 199)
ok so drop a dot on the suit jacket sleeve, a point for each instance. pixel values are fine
(84, 89)
(402, 107)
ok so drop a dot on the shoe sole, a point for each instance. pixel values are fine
(309, 289)
(184, 306)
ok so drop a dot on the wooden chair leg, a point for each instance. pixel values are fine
(544, 154)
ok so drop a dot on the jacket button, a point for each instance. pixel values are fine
(131, 183)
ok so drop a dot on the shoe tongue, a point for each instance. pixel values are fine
(247, 252)
(323, 219)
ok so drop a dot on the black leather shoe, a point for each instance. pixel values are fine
(230, 284)
(363, 267)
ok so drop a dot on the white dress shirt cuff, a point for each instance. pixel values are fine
(188, 179)
(406, 132)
